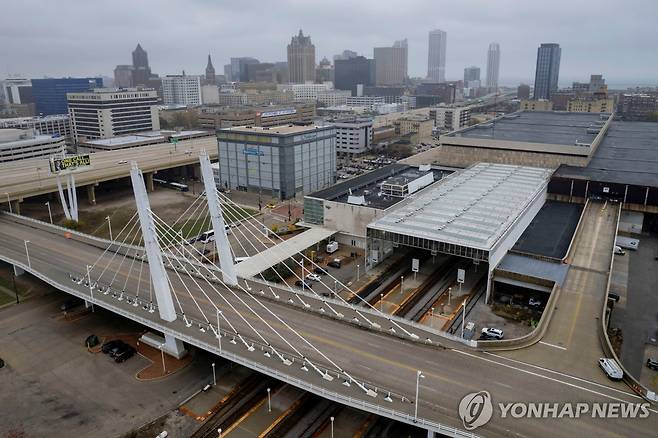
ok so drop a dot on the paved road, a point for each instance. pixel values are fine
(571, 344)
(32, 177)
(387, 362)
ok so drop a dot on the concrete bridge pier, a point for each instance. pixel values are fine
(16, 206)
(148, 176)
(18, 271)
(91, 194)
(174, 347)
(431, 434)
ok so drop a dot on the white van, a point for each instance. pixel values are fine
(619, 251)
(209, 236)
(611, 368)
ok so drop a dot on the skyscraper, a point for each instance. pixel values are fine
(547, 71)
(210, 72)
(141, 69)
(354, 71)
(471, 74)
(50, 94)
(493, 66)
(239, 68)
(436, 57)
(301, 59)
(391, 63)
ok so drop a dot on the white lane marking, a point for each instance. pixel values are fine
(569, 376)
(548, 378)
(553, 345)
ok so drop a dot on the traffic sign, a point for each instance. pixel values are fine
(460, 275)
(415, 265)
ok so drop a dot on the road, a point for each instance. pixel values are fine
(379, 359)
(27, 178)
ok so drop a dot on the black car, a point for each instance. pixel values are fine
(303, 284)
(320, 271)
(652, 363)
(335, 263)
(110, 345)
(119, 349)
(125, 354)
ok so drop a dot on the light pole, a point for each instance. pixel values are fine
(332, 426)
(432, 318)
(50, 213)
(381, 302)
(219, 431)
(164, 368)
(27, 254)
(449, 295)
(91, 290)
(463, 317)
(214, 376)
(358, 269)
(109, 226)
(401, 283)
(219, 332)
(9, 202)
(269, 401)
(419, 375)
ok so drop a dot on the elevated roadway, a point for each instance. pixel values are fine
(385, 362)
(26, 178)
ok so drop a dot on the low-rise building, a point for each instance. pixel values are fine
(212, 117)
(307, 91)
(637, 106)
(536, 105)
(181, 90)
(590, 105)
(353, 135)
(57, 125)
(419, 127)
(22, 144)
(369, 102)
(279, 161)
(106, 112)
(450, 117)
(164, 137)
(334, 97)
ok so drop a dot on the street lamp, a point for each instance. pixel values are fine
(27, 254)
(164, 368)
(419, 375)
(219, 331)
(91, 289)
(219, 431)
(332, 426)
(269, 401)
(381, 302)
(401, 283)
(449, 295)
(463, 316)
(109, 226)
(214, 376)
(50, 213)
(9, 202)
(358, 269)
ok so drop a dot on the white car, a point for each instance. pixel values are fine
(533, 302)
(122, 162)
(313, 277)
(492, 332)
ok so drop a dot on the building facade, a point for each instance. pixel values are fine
(353, 135)
(123, 76)
(281, 161)
(471, 73)
(307, 91)
(637, 106)
(181, 90)
(391, 64)
(333, 97)
(536, 105)
(450, 117)
(141, 69)
(436, 57)
(105, 113)
(301, 59)
(523, 92)
(268, 116)
(50, 94)
(17, 91)
(547, 71)
(55, 126)
(238, 71)
(22, 144)
(210, 78)
(348, 73)
(493, 67)
(590, 105)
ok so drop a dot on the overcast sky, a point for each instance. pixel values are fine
(86, 37)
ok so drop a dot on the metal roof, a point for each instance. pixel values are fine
(471, 208)
(533, 267)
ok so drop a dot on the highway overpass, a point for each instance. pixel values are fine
(382, 361)
(26, 178)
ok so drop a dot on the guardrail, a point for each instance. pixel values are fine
(323, 392)
(631, 381)
(576, 231)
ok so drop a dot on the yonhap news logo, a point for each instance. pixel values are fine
(477, 408)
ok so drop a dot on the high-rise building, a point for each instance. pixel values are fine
(391, 63)
(347, 54)
(471, 74)
(123, 76)
(239, 68)
(301, 59)
(523, 92)
(227, 73)
(181, 90)
(141, 69)
(108, 112)
(436, 56)
(493, 66)
(50, 94)
(324, 72)
(210, 72)
(17, 90)
(348, 73)
(547, 71)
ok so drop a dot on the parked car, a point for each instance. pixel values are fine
(335, 263)
(619, 251)
(71, 303)
(320, 271)
(613, 296)
(125, 354)
(119, 349)
(611, 368)
(492, 333)
(313, 277)
(652, 363)
(109, 345)
(534, 302)
(270, 205)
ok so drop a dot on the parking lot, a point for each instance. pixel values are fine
(53, 386)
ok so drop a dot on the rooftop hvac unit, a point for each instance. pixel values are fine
(356, 200)
(424, 168)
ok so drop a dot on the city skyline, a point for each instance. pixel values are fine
(30, 51)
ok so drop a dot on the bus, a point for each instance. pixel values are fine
(171, 185)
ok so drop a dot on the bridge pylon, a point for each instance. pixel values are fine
(226, 264)
(159, 278)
